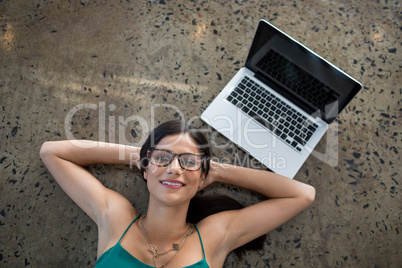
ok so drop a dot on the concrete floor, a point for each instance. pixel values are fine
(123, 58)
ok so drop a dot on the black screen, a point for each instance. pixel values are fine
(305, 78)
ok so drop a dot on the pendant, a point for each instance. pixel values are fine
(175, 246)
(152, 248)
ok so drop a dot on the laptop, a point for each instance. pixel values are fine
(280, 104)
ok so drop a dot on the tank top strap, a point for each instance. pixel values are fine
(199, 235)
(130, 226)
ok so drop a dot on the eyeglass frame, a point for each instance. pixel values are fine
(203, 159)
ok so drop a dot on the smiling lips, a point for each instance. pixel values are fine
(172, 184)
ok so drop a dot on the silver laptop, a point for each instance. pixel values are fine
(279, 105)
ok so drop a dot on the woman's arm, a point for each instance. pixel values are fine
(286, 198)
(66, 160)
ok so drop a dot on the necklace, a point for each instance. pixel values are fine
(175, 246)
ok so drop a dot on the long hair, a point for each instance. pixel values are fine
(200, 206)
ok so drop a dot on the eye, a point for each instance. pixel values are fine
(190, 160)
(161, 157)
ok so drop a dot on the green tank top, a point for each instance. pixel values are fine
(117, 256)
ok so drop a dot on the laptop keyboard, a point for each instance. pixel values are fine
(296, 79)
(282, 120)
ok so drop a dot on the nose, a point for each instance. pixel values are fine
(174, 166)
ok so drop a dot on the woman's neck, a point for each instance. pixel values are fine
(165, 224)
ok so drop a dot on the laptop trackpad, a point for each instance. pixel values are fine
(262, 145)
(253, 137)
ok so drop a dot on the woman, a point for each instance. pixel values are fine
(174, 164)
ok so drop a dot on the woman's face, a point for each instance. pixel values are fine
(172, 184)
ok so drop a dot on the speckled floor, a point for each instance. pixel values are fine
(123, 58)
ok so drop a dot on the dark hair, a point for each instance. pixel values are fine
(200, 206)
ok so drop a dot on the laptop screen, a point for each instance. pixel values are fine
(299, 74)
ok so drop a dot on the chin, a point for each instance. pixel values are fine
(172, 200)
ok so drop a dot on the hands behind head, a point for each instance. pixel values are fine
(212, 174)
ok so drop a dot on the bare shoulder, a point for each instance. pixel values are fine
(119, 211)
(118, 215)
(213, 230)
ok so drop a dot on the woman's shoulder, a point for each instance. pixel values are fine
(119, 211)
(119, 214)
(213, 238)
(213, 232)
(117, 203)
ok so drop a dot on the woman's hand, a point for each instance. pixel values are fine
(212, 174)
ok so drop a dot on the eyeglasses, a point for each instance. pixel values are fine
(163, 158)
